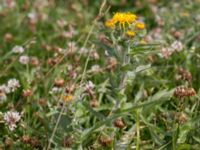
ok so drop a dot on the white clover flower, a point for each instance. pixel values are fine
(55, 90)
(165, 53)
(33, 16)
(11, 118)
(95, 68)
(18, 49)
(177, 46)
(89, 86)
(4, 89)
(24, 59)
(13, 84)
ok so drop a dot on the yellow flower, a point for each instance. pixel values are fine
(68, 98)
(124, 18)
(110, 23)
(130, 33)
(140, 25)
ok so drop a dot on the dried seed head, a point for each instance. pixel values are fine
(25, 139)
(34, 142)
(8, 142)
(46, 47)
(111, 63)
(52, 61)
(181, 118)
(119, 123)
(41, 101)
(67, 141)
(34, 61)
(105, 141)
(94, 103)
(70, 89)
(58, 82)
(72, 74)
(184, 75)
(27, 93)
(8, 37)
(182, 92)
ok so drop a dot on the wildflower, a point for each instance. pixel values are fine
(177, 46)
(58, 82)
(124, 18)
(111, 63)
(8, 37)
(68, 98)
(165, 53)
(184, 75)
(119, 123)
(27, 93)
(89, 86)
(105, 141)
(181, 117)
(55, 90)
(11, 118)
(182, 92)
(24, 59)
(18, 49)
(13, 84)
(25, 139)
(110, 23)
(140, 25)
(130, 33)
(94, 55)
(34, 61)
(95, 68)
(4, 89)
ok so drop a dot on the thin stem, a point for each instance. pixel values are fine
(137, 129)
(56, 126)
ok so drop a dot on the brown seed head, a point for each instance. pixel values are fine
(105, 141)
(119, 123)
(58, 82)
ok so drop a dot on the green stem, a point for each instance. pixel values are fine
(137, 129)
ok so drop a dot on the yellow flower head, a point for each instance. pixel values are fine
(130, 33)
(110, 23)
(140, 25)
(124, 18)
(68, 98)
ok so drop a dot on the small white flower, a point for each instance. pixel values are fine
(55, 90)
(18, 49)
(24, 59)
(13, 84)
(33, 16)
(106, 53)
(11, 118)
(165, 53)
(177, 46)
(89, 86)
(72, 46)
(4, 89)
(95, 68)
